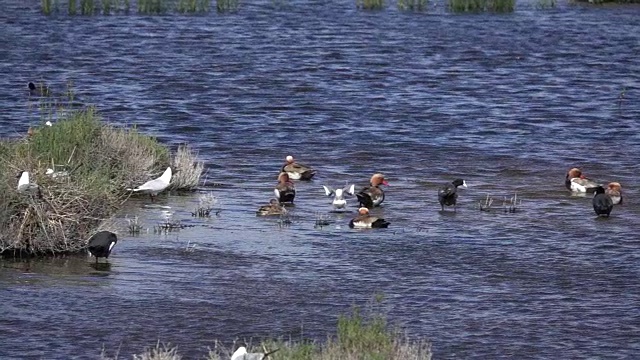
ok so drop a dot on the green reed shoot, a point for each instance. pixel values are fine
(502, 6)
(227, 5)
(413, 5)
(193, 6)
(370, 4)
(72, 7)
(151, 6)
(107, 5)
(87, 7)
(47, 7)
(546, 4)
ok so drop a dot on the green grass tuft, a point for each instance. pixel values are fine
(223, 6)
(370, 4)
(358, 336)
(413, 5)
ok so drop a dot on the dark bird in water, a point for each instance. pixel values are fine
(447, 195)
(41, 90)
(365, 220)
(372, 195)
(602, 203)
(285, 191)
(101, 243)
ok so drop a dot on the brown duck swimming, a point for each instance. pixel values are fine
(577, 182)
(285, 191)
(614, 190)
(364, 220)
(297, 171)
(273, 208)
(371, 196)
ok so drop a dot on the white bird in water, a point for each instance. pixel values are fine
(155, 186)
(339, 202)
(24, 186)
(242, 354)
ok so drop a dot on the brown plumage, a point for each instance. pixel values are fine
(614, 190)
(577, 182)
(297, 171)
(372, 195)
(285, 191)
(273, 208)
(365, 220)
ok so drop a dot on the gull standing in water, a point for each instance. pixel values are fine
(155, 186)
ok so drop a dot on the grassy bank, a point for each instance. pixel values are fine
(357, 337)
(94, 163)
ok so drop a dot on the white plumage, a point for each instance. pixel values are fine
(155, 186)
(339, 201)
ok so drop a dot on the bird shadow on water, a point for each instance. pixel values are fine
(101, 268)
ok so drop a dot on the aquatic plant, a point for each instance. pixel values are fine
(413, 5)
(108, 5)
(546, 4)
(47, 7)
(187, 169)
(370, 4)
(227, 5)
(206, 204)
(87, 7)
(72, 7)
(151, 7)
(193, 6)
(501, 6)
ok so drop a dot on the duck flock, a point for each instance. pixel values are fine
(368, 197)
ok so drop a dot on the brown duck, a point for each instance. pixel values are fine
(285, 191)
(372, 195)
(365, 221)
(297, 171)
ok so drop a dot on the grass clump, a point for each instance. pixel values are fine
(359, 336)
(370, 4)
(47, 7)
(99, 163)
(413, 5)
(151, 7)
(88, 7)
(193, 6)
(477, 6)
(227, 5)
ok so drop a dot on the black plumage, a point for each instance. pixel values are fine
(602, 203)
(101, 243)
(448, 195)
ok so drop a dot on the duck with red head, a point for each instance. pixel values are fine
(364, 220)
(285, 191)
(614, 190)
(372, 195)
(577, 182)
(297, 171)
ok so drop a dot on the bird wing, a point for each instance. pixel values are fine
(328, 190)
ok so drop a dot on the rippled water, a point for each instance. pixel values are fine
(508, 102)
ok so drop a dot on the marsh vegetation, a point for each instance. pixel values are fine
(91, 165)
